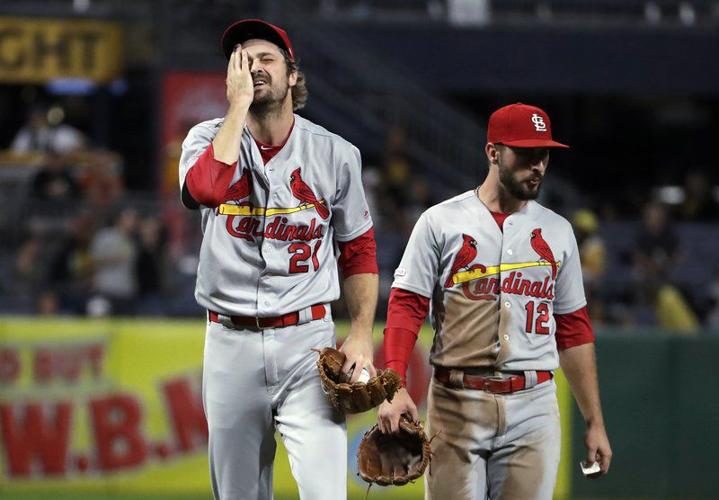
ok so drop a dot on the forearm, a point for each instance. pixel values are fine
(406, 312)
(360, 292)
(228, 140)
(580, 367)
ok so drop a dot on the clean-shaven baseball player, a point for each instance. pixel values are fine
(504, 280)
(282, 208)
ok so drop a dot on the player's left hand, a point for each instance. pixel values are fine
(598, 449)
(359, 349)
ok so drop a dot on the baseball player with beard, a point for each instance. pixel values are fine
(282, 209)
(504, 280)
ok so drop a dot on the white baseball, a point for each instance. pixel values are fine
(364, 376)
(591, 469)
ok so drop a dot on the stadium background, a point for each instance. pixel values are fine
(100, 337)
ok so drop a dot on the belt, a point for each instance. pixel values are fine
(495, 385)
(317, 311)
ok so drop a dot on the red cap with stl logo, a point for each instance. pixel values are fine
(522, 126)
(244, 30)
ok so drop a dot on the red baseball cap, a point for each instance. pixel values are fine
(246, 29)
(522, 126)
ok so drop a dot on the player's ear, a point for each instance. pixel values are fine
(492, 153)
(292, 79)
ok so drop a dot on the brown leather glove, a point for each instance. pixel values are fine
(357, 397)
(394, 459)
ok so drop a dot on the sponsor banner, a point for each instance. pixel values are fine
(188, 98)
(40, 50)
(114, 406)
(101, 405)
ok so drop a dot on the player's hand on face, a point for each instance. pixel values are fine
(240, 88)
(598, 449)
(360, 354)
(389, 413)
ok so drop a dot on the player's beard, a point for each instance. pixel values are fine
(270, 100)
(521, 190)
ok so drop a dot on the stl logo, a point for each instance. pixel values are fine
(539, 124)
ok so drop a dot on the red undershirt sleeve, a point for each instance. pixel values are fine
(573, 329)
(406, 313)
(208, 179)
(359, 255)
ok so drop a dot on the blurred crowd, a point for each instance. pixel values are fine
(75, 242)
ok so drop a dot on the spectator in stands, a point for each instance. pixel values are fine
(55, 181)
(100, 179)
(591, 246)
(699, 204)
(592, 251)
(48, 303)
(44, 131)
(397, 170)
(713, 316)
(71, 267)
(673, 311)
(114, 255)
(150, 264)
(656, 248)
(28, 272)
(656, 255)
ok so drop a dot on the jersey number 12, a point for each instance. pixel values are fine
(539, 326)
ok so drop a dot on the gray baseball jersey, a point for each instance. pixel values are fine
(271, 250)
(494, 293)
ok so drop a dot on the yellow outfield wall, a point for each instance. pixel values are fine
(114, 406)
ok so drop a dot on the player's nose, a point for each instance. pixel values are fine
(539, 166)
(538, 163)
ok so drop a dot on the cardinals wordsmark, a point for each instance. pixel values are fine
(304, 193)
(464, 257)
(542, 248)
(240, 189)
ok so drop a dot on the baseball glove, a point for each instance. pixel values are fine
(359, 396)
(395, 459)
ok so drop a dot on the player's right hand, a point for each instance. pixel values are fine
(598, 448)
(390, 412)
(240, 88)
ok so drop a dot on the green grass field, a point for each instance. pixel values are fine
(90, 496)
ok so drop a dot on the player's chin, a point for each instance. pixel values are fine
(531, 189)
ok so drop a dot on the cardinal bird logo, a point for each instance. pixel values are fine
(240, 189)
(464, 257)
(304, 193)
(540, 246)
